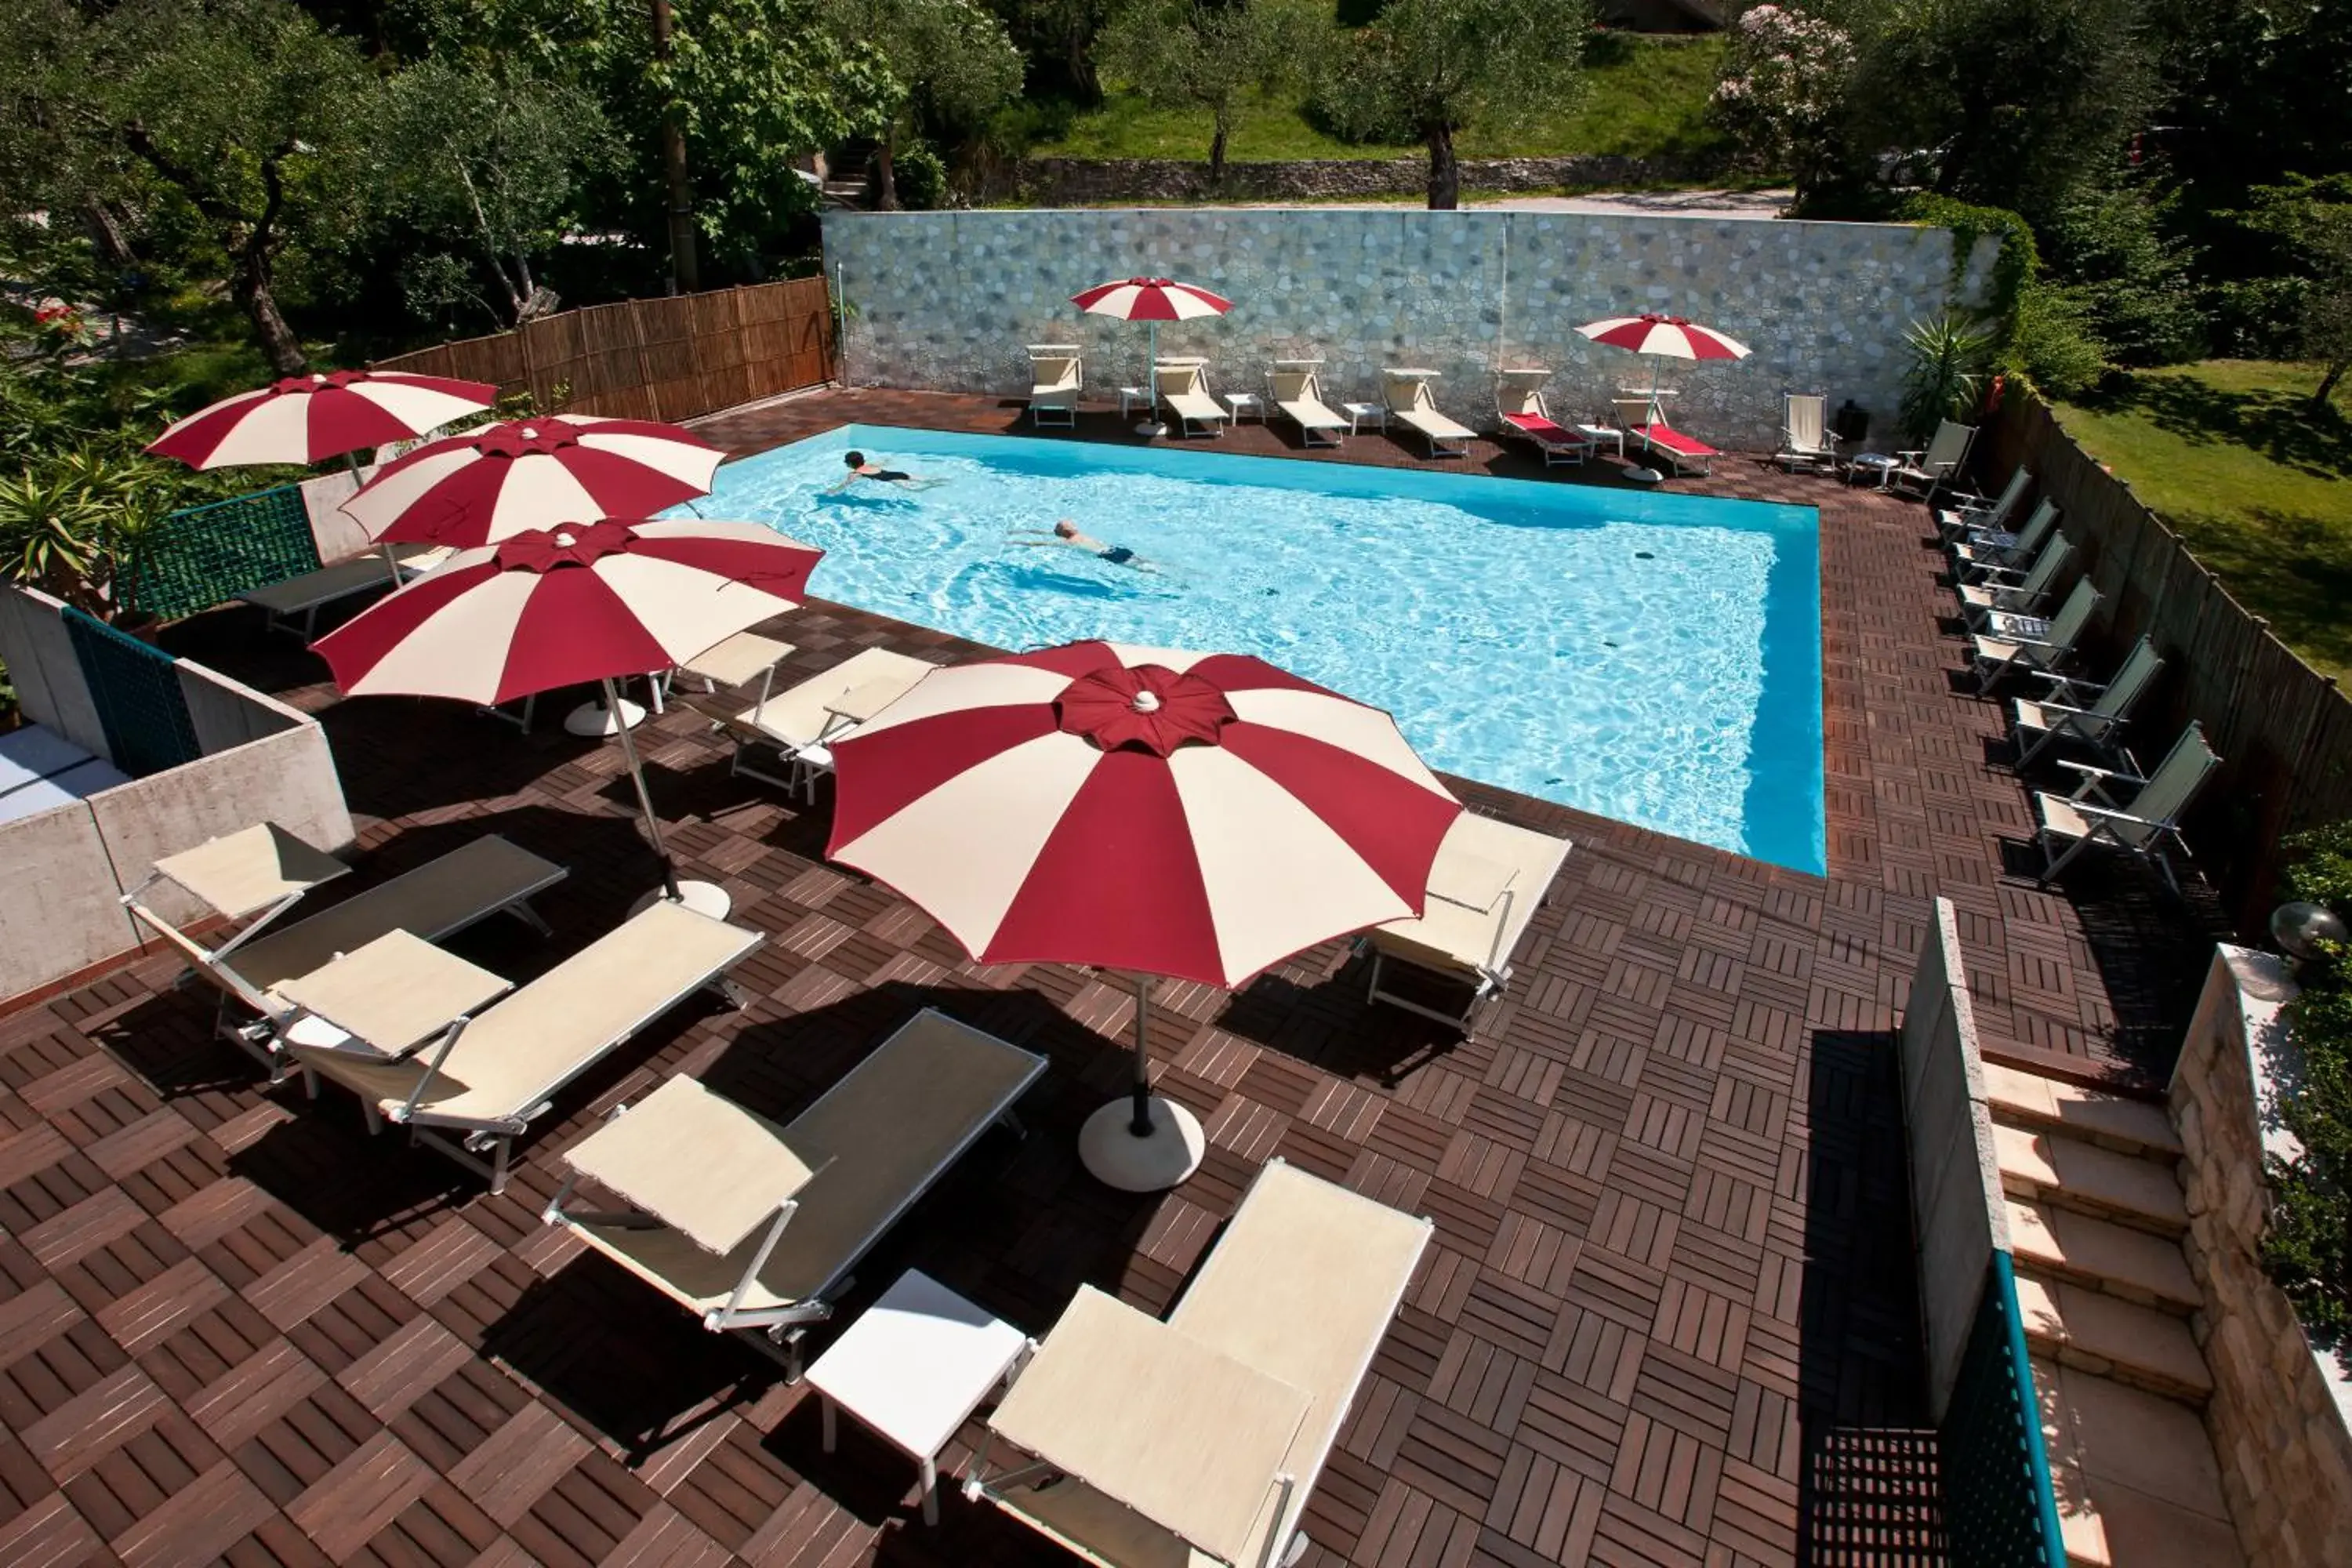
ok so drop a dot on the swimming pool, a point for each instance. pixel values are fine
(1651, 658)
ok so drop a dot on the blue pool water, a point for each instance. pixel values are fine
(1652, 657)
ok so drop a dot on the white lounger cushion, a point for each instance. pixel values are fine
(525, 1047)
(1299, 394)
(876, 1141)
(739, 1170)
(1409, 399)
(1476, 927)
(1183, 388)
(797, 715)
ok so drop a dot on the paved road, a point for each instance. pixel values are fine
(1672, 204)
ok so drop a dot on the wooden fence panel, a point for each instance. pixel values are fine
(671, 359)
(2283, 732)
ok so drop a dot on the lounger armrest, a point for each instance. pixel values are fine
(2072, 687)
(2115, 774)
(1902, 457)
(2109, 814)
(407, 1110)
(1990, 569)
(2047, 706)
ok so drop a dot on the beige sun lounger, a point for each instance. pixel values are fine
(798, 723)
(1979, 601)
(484, 1081)
(1805, 434)
(1295, 387)
(1406, 392)
(2122, 809)
(311, 591)
(2090, 712)
(1056, 375)
(2016, 643)
(1199, 1440)
(1488, 882)
(1976, 514)
(1520, 407)
(1183, 385)
(759, 1231)
(1978, 555)
(436, 900)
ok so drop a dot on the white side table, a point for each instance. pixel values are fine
(1864, 467)
(914, 1367)
(1245, 404)
(1129, 396)
(1601, 435)
(1358, 413)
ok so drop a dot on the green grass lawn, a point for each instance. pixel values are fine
(1645, 96)
(2257, 482)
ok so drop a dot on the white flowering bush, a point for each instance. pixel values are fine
(1783, 74)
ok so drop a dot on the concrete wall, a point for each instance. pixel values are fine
(1958, 1211)
(2281, 1414)
(66, 868)
(1087, 182)
(335, 533)
(946, 301)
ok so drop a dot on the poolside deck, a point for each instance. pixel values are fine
(1669, 1317)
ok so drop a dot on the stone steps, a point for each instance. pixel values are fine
(2135, 1473)
(2064, 1172)
(2082, 1250)
(2078, 1327)
(2051, 1105)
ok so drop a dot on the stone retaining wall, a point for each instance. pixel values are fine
(1076, 182)
(2281, 1414)
(946, 301)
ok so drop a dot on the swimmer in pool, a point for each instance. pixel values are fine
(859, 468)
(1067, 532)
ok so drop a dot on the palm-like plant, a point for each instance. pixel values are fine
(70, 522)
(1949, 356)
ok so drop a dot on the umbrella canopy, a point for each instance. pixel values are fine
(509, 478)
(1197, 815)
(308, 418)
(554, 607)
(1669, 336)
(1150, 300)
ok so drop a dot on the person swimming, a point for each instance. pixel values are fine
(859, 468)
(1067, 532)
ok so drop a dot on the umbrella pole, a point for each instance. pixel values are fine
(391, 561)
(644, 797)
(1140, 1122)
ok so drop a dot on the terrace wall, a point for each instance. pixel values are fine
(946, 300)
(2284, 730)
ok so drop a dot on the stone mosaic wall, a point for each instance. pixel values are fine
(946, 301)
(2281, 1415)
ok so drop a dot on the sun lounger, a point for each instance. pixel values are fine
(2123, 809)
(1488, 882)
(40, 769)
(436, 900)
(1183, 385)
(1974, 513)
(313, 591)
(1295, 387)
(1805, 434)
(2019, 644)
(1406, 393)
(1643, 421)
(1200, 1439)
(1520, 405)
(1056, 375)
(1976, 555)
(1924, 471)
(2026, 596)
(479, 1086)
(798, 723)
(760, 1230)
(2061, 712)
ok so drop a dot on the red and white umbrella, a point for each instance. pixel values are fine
(507, 478)
(555, 607)
(308, 418)
(1197, 815)
(1153, 299)
(1669, 336)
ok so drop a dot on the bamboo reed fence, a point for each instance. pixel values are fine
(673, 358)
(2284, 730)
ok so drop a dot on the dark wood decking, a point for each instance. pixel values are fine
(1669, 1317)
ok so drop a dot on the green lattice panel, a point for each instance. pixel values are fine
(136, 689)
(207, 555)
(1999, 1508)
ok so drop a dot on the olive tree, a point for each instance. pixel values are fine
(1209, 54)
(948, 59)
(1427, 70)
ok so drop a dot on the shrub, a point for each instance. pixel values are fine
(1784, 75)
(2052, 345)
(2308, 1249)
(1948, 359)
(920, 176)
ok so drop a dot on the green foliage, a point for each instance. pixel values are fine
(922, 177)
(1210, 55)
(2053, 343)
(2107, 242)
(1948, 357)
(1783, 86)
(2020, 256)
(2308, 1247)
(1428, 70)
(2321, 871)
(2312, 219)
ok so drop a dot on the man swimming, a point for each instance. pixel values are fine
(859, 468)
(1067, 532)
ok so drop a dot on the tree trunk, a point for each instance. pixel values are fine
(106, 233)
(1444, 175)
(1217, 157)
(886, 178)
(686, 275)
(255, 291)
(2335, 370)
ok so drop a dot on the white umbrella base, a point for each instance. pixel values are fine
(1117, 1158)
(1151, 431)
(592, 719)
(703, 898)
(1645, 475)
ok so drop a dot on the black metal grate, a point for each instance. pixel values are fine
(136, 690)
